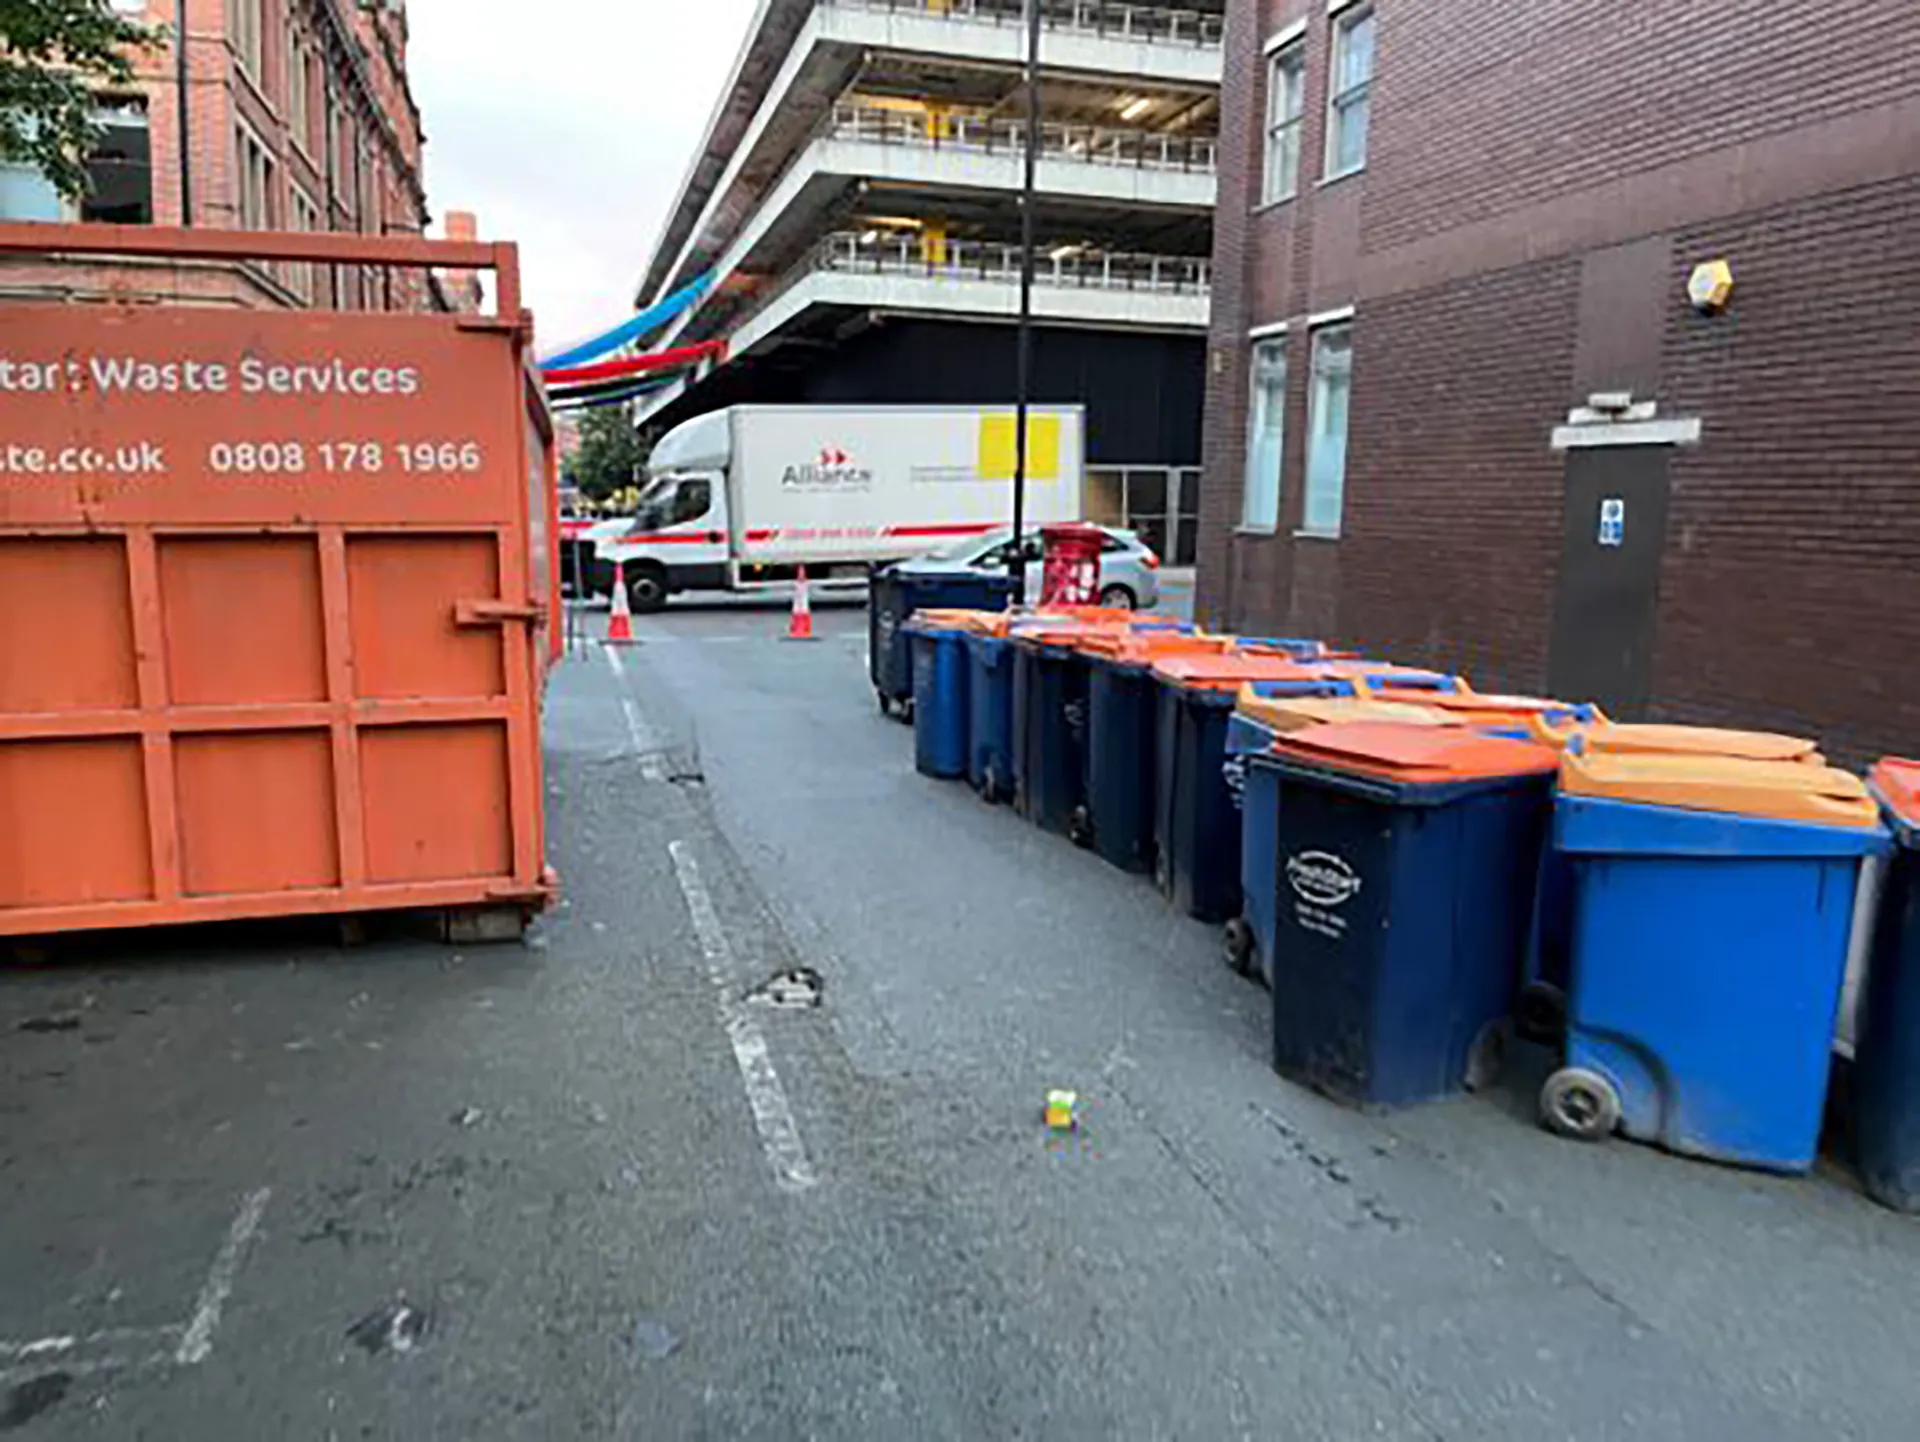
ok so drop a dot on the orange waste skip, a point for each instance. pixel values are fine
(275, 592)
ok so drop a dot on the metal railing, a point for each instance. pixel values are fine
(1151, 24)
(1062, 268)
(1089, 144)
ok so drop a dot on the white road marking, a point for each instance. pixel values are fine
(125, 1349)
(66, 1344)
(644, 741)
(772, 1115)
(196, 1345)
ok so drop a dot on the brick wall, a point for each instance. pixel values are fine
(1541, 178)
(1483, 108)
(1794, 542)
(1453, 512)
(1262, 276)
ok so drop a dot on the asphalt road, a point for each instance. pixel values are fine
(256, 1185)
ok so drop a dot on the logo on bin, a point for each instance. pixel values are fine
(1321, 878)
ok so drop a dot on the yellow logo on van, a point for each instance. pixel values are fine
(997, 447)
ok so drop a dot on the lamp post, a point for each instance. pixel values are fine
(180, 125)
(1023, 331)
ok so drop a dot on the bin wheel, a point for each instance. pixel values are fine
(1580, 1104)
(1080, 827)
(990, 784)
(1541, 1014)
(1488, 1055)
(1238, 944)
(903, 711)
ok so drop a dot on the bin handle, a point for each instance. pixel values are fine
(1329, 686)
(1300, 648)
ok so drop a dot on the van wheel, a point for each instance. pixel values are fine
(1118, 598)
(647, 588)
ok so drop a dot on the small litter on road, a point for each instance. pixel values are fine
(1063, 1110)
(398, 1328)
(654, 1340)
(60, 1021)
(467, 1116)
(796, 987)
(32, 1397)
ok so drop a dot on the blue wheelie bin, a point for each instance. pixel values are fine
(1405, 862)
(1886, 1058)
(990, 716)
(1050, 731)
(940, 699)
(1712, 903)
(1123, 705)
(1196, 826)
(1256, 792)
(894, 594)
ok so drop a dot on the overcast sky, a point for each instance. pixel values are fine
(566, 125)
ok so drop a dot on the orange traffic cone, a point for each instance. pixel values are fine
(620, 624)
(800, 623)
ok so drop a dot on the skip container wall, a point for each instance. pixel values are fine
(274, 594)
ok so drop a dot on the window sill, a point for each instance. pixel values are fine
(1304, 534)
(1279, 200)
(1257, 533)
(1324, 181)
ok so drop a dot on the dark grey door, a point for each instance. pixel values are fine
(1606, 607)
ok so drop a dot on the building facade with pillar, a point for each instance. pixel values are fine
(856, 198)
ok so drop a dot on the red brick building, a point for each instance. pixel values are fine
(299, 117)
(1461, 407)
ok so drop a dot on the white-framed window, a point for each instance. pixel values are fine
(1329, 399)
(244, 34)
(255, 177)
(1266, 435)
(1286, 104)
(1352, 83)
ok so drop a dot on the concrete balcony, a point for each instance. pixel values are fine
(1100, 171)
(805, 54)
(1111, 149)
(982, 280)
(1143, 42)
(851, 272)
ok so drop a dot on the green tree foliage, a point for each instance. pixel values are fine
(609, 458)
(54, 56)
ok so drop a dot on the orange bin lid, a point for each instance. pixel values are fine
(1791, 790)
(1132, 645)
(1295, 713)
(1229, 670)
(1898, 782)
(954, 619)
(1396, 751)
(1473, 706)
(1644, 739)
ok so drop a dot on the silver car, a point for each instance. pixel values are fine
(1128, 567)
